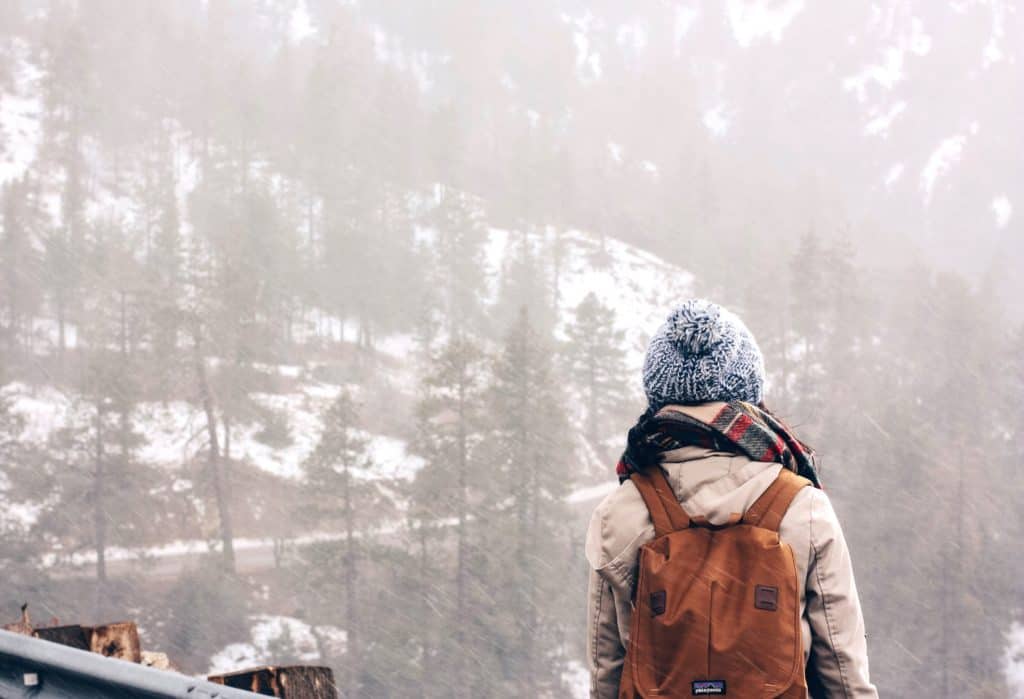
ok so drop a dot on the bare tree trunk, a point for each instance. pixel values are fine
(61, 334)
(227, 449)
(556, 269)
(351, 623)
(784, 364)
(592, 402)
(528, 675)
(426, 667)
(462, 544)
(219, 486)
(123, 328)
(99, 511)
(310, 226)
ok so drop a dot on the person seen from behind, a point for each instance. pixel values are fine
(718, 566)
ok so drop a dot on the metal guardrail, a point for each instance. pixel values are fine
(37, 669)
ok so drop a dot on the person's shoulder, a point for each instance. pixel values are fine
(810, 504)
(811, 511)
(617, 524)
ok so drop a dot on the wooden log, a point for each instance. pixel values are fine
(73, 635)
(117, 640)
(291, 682)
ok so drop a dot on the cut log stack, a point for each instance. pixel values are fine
(121, 640)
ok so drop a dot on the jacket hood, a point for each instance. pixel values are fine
(712, 484)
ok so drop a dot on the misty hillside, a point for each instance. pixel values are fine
(631, 283)
(321, 322)
(913, 106)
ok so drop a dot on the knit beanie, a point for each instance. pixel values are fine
(702, 353)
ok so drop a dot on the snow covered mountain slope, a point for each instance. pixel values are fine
(639, 286)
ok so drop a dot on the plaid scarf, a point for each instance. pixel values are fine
(738, 427)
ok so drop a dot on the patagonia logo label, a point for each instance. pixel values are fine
(703, 688)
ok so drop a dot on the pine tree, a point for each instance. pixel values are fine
(164, 263)
(237, 271)
(525, 280)
(808, 303)
(100, 444)
(459, 266)
(20, 266)
(342, 490)
(18, 463)
(595, 357)
(68, 98)
(527, 541)
(450, 486)
(201, 317)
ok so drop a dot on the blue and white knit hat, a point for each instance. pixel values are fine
(702, 353)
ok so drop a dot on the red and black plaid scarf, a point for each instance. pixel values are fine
(738, 427)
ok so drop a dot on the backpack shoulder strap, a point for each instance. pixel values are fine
(769, 509)
(666, 512)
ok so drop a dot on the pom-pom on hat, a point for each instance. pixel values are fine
(702, 353)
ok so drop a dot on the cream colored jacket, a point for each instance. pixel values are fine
(717, 484)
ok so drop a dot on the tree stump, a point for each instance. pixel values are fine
(293, 682)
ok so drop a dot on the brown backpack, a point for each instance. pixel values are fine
(717, 609)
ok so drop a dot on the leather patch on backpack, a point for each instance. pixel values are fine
(766, 598)
(657, 603)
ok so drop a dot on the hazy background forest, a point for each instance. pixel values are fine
(320, 321)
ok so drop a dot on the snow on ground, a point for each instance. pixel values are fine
(44, 409)
(588, 60)
(993, 52)
(304, 426)
(300, 25)
(684, 19)
(21, 515)
(756, 19)
(1002, 209)
(391, 457)
(20, 128)
(716, 120)
(893, 175)
(881, 120)
(277, 639)
(174, 431)
(290, 371)
(940, 163)
(632, 35)
(1013, 661)
(908, 38)
(47, 332)
(398, 345)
